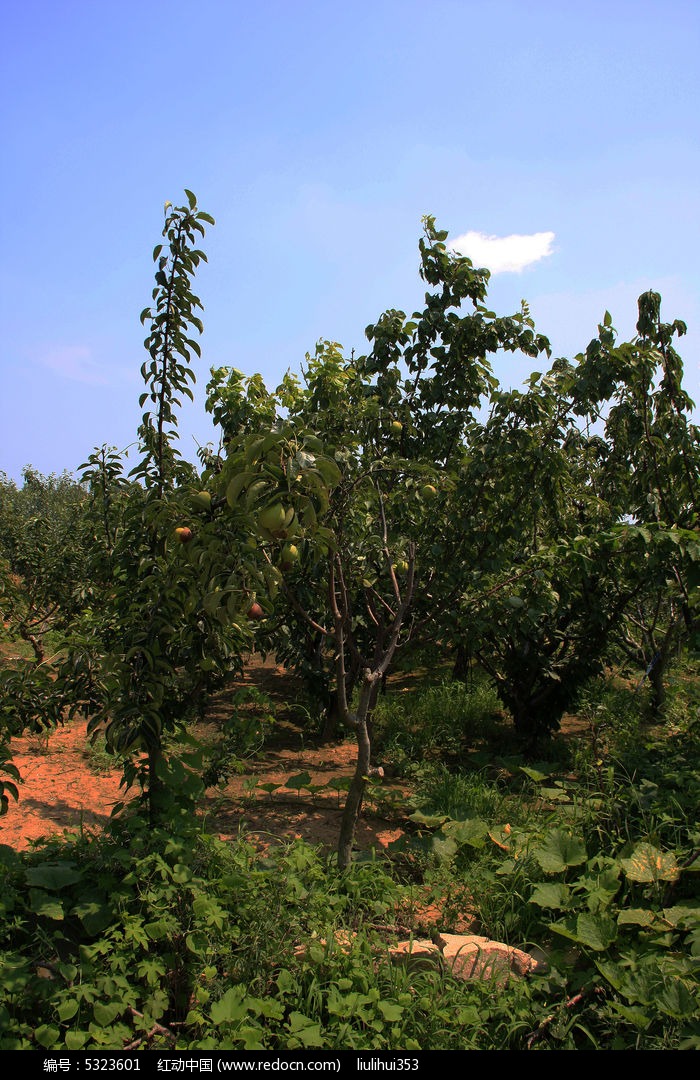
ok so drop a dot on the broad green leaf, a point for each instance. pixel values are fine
(470, 831)
(612, 973)
(431, 821)
(676, 1000)
(236, 486)
(636, 917)
(639, 986)
(47, 1035)
(305, 1030)
(444, 848)
(15, 976)
(67, 1010)
(42, 903)
(250, 1038)
(230, 1007)
(601, 888)
(328, 470)
(268, 1007)
(648, 864)
(559, 851)
(95, 917)
(550, 895)
(269, 788)
(533, 773)
(106, 1012)
(637, 1017)
(340, 783)
(597, 932)
(296, 783)
(157, 930)
(391, 1012)
(685, 915)
(197, 942)
(555, 794)
(75, 1040)
(53, 876)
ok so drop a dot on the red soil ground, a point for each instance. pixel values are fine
(66, 786)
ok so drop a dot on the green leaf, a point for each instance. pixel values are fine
(105, 1013)
(675, 1000)
(94, 916)
(637, 1017)
(431, 821)
(237, 485)
(444, 848)
(648, 864)
(157, 930)
(597, 932)
(230, 1007)
(53, 876)
(296, 783)
(306, 1031)
(636, 917)
(559, 851)
(550, 895)
(67, 1010)
(269, 788)
(469, 831)
(75, 1040)
(251, 1038)
(47, 1035)
(197, 942)
(391, 1012)
(191, 198)
(533, 774)
(685, 915)
(49, 907)
(329, 471)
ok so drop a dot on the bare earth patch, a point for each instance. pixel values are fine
(62, 791)
(59, 791)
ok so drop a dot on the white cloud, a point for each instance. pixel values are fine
(74, 362)
(504, 254)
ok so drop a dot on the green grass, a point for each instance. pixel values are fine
(434, 722)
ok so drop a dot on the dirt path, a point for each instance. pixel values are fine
(59, 790)
(66, 786)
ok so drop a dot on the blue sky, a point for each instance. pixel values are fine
(318, 135)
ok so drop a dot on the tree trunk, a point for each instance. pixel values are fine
(353, 803)
(461, 671)
(331, 718)
(658, 687)
(333, 714)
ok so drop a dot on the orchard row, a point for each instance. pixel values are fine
(363, 508)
